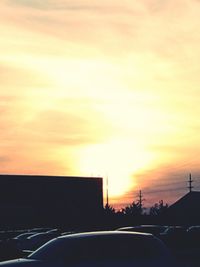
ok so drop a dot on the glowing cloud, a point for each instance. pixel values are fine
(108, 88)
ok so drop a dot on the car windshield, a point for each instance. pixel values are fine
(51, 251)
(98, 249)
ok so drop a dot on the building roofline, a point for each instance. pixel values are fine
(184, 197)
(62, 177)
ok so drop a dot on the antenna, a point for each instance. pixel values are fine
(190, 181)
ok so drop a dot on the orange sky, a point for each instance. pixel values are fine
(108, 88)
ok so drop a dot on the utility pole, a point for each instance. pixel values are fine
(107, 202)
(190, 181)
(141, 199)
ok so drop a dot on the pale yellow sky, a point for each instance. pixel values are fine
(107, 88)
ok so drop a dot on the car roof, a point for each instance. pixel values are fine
(143, 226)
(106, 234)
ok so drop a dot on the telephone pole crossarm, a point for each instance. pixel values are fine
(190, 181)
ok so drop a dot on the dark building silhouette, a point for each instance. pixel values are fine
(29, 200)
(186, 210)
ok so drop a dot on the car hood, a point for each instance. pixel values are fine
(24, 263)
(37, 263)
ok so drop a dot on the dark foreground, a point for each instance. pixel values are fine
(183, 243)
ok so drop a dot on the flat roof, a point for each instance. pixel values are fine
(50, 177)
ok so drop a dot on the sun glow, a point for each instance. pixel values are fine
(116, 161)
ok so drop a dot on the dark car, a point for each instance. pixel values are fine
(23, 236)
(95, 249)
(19, 240)
(37, 240)
(175, 237)
(193, 236)
(175, 231)
(151, 229)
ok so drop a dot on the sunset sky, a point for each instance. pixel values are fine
(102, 88)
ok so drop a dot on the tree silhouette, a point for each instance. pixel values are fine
(158, 208)
(109, 209)
(133, 209)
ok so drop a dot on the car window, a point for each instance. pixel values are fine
(51, 251)
(117, 248)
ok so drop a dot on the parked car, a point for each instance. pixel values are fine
(99, 249)
(175, 231)
(175, 237)
(4, 235)
(194, 229)
(41, 229)
(21, 239)
(36, 240)
(193, 236)
(151, 229)
(23, 236)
